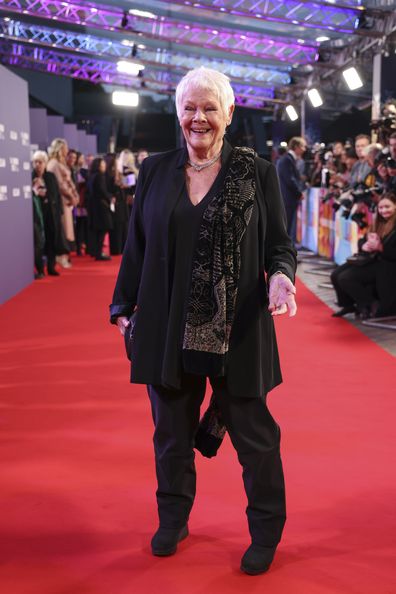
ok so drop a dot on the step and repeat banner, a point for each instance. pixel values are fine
(16, 217)
(23, 130)
(323, 230)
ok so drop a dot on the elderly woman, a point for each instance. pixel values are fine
(207, 225)
(46, 191)
(57, 165)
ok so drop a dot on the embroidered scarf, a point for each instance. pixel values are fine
(216, 268)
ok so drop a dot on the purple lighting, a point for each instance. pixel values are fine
(227, 40)
(318, 15)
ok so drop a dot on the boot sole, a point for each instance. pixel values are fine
(254, 571)
(172, 551)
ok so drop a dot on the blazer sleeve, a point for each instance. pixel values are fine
(279, 254)
(128, 280)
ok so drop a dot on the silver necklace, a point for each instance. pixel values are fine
(204, 165)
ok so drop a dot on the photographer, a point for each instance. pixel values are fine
(370, 275)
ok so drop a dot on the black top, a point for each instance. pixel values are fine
(143, 281)
(184, 227)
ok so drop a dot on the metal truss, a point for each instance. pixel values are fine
(162, 59)
(100, 71)
(315, 15)
(166, 29)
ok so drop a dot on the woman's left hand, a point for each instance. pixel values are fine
(281, 295)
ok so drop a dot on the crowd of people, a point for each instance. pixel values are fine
(358, 179)
(77, 200)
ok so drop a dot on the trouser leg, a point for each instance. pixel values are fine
(256, 438)
(100, 235)
(176, 418)
(291, 219)
(343, 299)
(359, 283)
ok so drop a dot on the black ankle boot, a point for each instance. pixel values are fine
(165, 540)
(343, 312)
(257, 559)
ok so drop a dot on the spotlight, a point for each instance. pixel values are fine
(323, 55)
(352, 78)
(315, 98)
(142, 13)
(291, 112)
(132, 68)
(125, 98)
(124, 20)
(364, 22)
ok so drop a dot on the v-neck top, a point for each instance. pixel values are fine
(184, 228)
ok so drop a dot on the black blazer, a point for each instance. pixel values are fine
(253, 365)
(289, 178)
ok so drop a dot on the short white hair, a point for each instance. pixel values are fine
(209, 80)
(40, 156)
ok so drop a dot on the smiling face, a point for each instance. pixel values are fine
(386, 208)
(203, 122)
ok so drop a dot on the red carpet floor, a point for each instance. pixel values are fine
(78, 507)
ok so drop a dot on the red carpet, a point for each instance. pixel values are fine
(78, 485)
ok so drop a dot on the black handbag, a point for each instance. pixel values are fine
(129, 334)
(361, 259)
(211, 431)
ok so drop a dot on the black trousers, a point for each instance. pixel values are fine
(81, 233)
(291, 218)
(97, 242)
(254, 435)
(355, 285)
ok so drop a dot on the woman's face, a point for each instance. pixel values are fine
(64, 150)
(102, 166)
(386, 208)
(382, 171)
(203, 122)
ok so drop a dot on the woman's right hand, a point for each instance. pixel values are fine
(122, 323)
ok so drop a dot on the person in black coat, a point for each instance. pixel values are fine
(45, 188)
(371, 278)
(290, 181)
(100, 209)
(119, 232)
(206, 266)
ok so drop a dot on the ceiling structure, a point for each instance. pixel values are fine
(272, 50)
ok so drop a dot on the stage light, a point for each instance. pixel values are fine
(125, 98)
(124, 20)
(364, 22)
(322, 38)
(142, 13)
(352, 78)
(132, 68)
(315, 98)
(291, 112)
